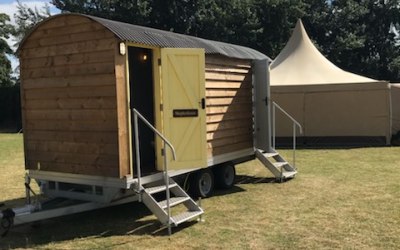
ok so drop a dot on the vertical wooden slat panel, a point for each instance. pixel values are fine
(23, 119)
(122, 113)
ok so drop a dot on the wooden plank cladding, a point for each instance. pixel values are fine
(73, 147)
(74, 115)
(70, 81)
(75, 59)
(95, 137)
(57, 125)
(69, 49)
(73, 37)
(107, 102)
(74, 168)
(69, 93)
(229, 105)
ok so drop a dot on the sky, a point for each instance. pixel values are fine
(9, 7)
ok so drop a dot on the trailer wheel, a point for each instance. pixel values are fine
(225, 175)
(202, 184)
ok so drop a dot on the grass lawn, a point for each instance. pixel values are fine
(344, 198)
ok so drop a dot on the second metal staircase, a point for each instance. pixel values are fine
(278, 166)
(271, 159)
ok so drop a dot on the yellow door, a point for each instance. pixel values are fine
(183, 100)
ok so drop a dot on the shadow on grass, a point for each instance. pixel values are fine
(127, 219)
(232, 190)
(245, 179)
(122, 220)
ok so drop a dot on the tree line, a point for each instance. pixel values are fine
(360, 36)
(25, 19)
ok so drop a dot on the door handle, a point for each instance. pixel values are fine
(203, 103)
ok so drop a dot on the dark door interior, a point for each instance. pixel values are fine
(142, 99)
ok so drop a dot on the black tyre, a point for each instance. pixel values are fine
(202, 184)
(225, 175)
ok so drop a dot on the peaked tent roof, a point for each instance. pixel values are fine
(300, 63)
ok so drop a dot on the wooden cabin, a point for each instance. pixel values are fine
(81, 75)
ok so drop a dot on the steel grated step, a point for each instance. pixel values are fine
(172, 202)
(289, 174)
(157, 189)
(185, 216)
(279, 164)
(269, 155)
(179, 196)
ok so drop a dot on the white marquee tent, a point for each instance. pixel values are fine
(395, 91)
(332, 105)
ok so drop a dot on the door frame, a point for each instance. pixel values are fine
(158, 105)
(156, 54)
(261, 105)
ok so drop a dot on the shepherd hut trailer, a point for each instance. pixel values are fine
(112, 111)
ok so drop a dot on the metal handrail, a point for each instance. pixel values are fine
(166, 143)
(295, 123)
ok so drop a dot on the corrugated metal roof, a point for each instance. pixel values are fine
(164, 39)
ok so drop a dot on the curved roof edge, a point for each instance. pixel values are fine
(160, 38)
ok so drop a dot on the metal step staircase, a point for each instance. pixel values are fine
(150, 192)
(162, 208)
(271, 159)
(278, 166)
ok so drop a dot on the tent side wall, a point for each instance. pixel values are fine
(229, 105)
(353, 112)
(395, 98)
(293, 103)
(69, 104)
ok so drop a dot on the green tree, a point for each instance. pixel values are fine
(277, 19)
(362, 37)
(129, 11)
(5, 64)
(26, 18)
(232, 21)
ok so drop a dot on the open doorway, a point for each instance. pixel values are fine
(142, 99)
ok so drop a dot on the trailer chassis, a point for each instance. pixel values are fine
(58, 202)
(64, 194)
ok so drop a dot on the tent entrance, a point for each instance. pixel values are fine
(141, 88)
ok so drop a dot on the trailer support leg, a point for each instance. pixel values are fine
(27, 189)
